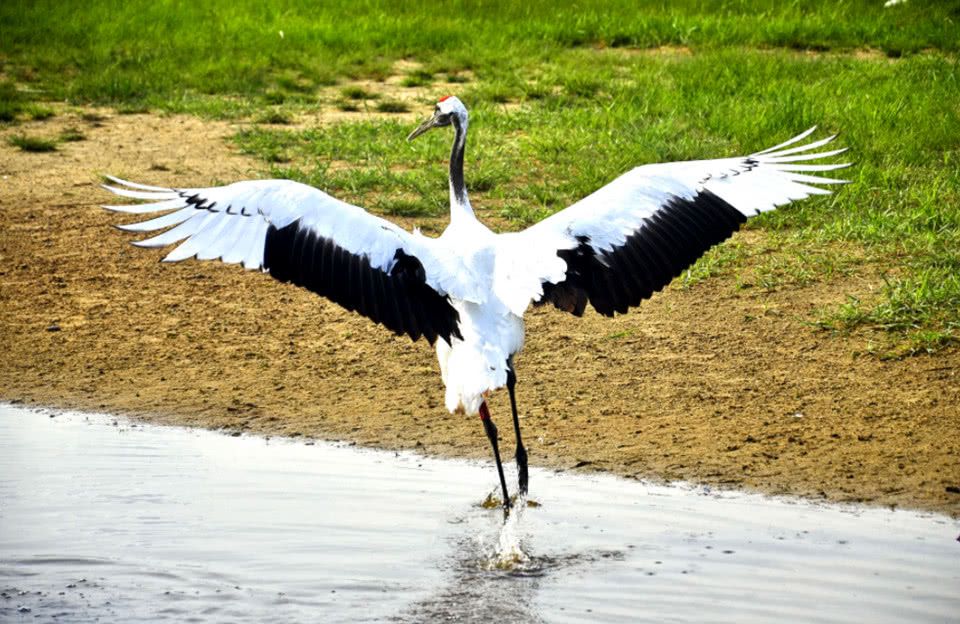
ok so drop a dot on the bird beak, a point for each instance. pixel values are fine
(430, 123)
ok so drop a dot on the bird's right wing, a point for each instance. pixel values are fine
(631, 237)
(302, 235)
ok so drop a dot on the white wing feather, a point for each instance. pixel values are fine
(231, 222)
(751, 184)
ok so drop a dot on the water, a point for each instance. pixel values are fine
(112, 522)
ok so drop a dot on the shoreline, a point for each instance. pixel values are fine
(417, 451)
(818, 497)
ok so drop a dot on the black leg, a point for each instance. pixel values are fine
(524, 478)
(491, 430)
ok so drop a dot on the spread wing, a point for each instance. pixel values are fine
(302, 235)
(630, 238)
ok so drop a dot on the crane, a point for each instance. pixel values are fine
(467, 290)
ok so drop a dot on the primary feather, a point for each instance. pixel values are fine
(631, 237)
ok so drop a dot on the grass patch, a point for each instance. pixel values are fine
(523, 214)
(275, 117)
(38, 113)
(11, 101)
(921, 305)
(410, 208)
(8, 111)
(274, 97)
(276, 157)
(32, 144)
(780, 262)
(132, 108)
(392, 106)
(71, 135)
(357, 93)
(620, 335)
(715, 262)
(418, 78)
(215, 106)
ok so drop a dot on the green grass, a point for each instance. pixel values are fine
(32, 144)
(152, 51)
(11, 102)
(357, 93)
(392, 106)
(918, 311)
(418, 78)
(38, 113)
(72, 135)
(275, 117)
(563, 100)
(93, 118)
(135, 107)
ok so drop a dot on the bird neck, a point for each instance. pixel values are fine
(459, 202)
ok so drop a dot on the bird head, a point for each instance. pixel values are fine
(448, 110)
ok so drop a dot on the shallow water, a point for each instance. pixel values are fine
(106, 521)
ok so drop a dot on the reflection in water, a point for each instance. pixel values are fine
(109, 522)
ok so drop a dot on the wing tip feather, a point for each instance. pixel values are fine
(788, 142)
(136, 185)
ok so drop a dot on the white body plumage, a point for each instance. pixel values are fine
(491, 332)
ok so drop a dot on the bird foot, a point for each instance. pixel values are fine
(492, 501)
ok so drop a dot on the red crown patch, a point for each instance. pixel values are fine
(446, 97)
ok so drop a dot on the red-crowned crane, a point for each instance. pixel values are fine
(467, 290)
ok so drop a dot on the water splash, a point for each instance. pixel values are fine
(492, 577)
(509, 553)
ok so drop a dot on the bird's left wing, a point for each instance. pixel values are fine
(630, 238)
(300, 234)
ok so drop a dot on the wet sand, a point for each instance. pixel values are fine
(712, 384)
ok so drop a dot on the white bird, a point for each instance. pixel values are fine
(467, 290)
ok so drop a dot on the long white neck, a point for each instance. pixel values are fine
(459, 202)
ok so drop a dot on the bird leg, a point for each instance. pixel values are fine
(491, 430)
(521, 451)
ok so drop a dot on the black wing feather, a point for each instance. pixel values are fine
(400, 300)
(667, 243)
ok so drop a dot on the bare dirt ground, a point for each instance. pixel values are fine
(709, 384)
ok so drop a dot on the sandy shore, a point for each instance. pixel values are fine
(711, 384)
